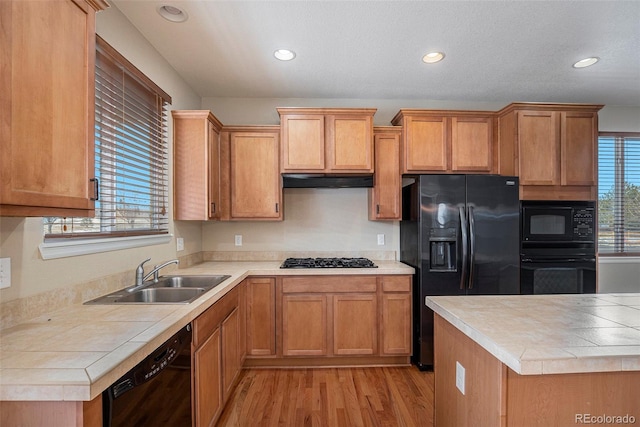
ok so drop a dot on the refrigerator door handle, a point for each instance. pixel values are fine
(465, 248)
(472, 244)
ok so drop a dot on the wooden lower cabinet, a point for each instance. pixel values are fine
(304, 325)
(207, 381)
(396, 315)
(217, 357)
(348, 317)
(261, 316)
(354, 324)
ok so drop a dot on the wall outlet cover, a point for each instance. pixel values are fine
(460, 377)
(5, 273)
(380, 239)
(179, 244)
(238, 239)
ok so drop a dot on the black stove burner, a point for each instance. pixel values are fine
(328, 263)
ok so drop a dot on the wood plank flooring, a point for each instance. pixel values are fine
(331, 397)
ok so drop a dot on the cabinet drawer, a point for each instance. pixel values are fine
(207, 322)
(396, 284)
(333, 284)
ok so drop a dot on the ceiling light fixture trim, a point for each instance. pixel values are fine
(586, 62)
(433, 57)
(284, 54)
(172, 13)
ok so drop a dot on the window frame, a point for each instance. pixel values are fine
(56, 245)
(614, 254)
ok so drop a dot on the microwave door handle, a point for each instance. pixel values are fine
(465, 249)
(472, 244)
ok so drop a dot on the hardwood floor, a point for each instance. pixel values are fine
(331, 397)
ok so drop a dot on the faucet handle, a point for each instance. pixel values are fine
(141, 266)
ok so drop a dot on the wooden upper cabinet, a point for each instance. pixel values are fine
(384, 197)
(472, 144)
(538, 136)
(578, 148)
(255, 183)
(302, 142)
(446, 141)
(47, 152)
(321, 140)
(196, 165)
(552, 148)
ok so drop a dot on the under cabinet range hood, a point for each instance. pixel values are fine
(321, 180)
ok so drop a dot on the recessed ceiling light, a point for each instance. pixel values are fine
(586, 62)
(172, 13)
(433, 57)
(284, 54)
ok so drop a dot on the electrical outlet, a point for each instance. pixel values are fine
(380, 239)
(238, 239)
(5, 273)
(179, 244)
(460, 377)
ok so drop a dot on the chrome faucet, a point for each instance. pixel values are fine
(141, 278)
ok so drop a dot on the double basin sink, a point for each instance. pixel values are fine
(167, 290)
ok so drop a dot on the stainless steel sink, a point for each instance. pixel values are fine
(167, 290)
(162, 295)
(188, 281)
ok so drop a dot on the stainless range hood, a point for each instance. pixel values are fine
(321, 180)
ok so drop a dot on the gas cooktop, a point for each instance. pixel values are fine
(328, 263)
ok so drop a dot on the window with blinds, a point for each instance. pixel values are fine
(619, 193)
(131, 156)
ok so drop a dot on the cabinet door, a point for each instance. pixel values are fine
(471, 144)
(304, 325)
(425, 144)
(261, 317)
(47, 51)
(539, 148)
(303, 142)
(207, 385)
(349, 143)
(214, 171)
(385, 195)
(231, 364)
(579, 139)
(355, 328)
(255, 177)
(396, 323)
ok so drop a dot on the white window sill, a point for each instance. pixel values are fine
(75, 247)
(619, 260)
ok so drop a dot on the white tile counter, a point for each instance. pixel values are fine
(75, 353)
(550, 334)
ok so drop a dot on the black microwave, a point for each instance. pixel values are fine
(557, 221)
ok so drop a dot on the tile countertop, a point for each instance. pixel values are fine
(75, 353)
(550, 334)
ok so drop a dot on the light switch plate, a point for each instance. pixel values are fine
(380, 239)
(5, 273)
(179, 244)
(460, 377)
(238, 239)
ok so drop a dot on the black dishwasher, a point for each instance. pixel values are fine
(157, 391)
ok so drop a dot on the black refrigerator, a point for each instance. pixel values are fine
(461, 234)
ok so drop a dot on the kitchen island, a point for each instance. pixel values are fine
(57, 365)
(537, 360)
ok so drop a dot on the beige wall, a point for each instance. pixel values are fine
(20, 237)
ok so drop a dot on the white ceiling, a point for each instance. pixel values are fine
(496, 51)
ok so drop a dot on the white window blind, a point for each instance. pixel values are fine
(619, 193)
(131, 156)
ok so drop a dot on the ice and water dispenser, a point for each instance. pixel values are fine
(442, 242)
